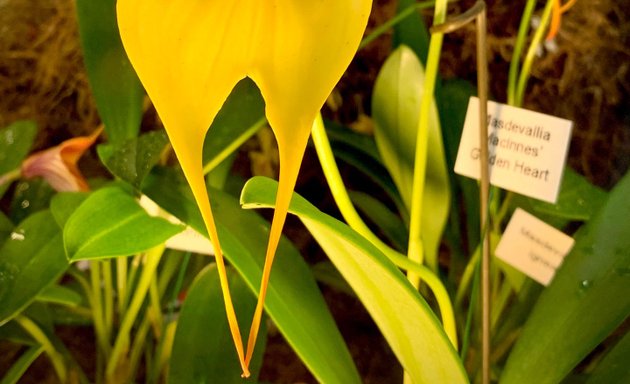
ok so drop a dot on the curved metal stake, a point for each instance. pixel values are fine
(478, 12)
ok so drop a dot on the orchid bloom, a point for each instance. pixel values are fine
(189, 54)
(58, 165)
(556, 17)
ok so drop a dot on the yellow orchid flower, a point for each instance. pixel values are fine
(189, 54)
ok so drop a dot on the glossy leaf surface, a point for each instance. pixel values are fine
(133, 159)
(15, 143)
(412, 31)
(614, 367)
(110, 223)
(116, 88)
(202, 349)
(238, 120)
(395, 107)
(406, 321)
(58, 294)
(30, 260)
(587, 299)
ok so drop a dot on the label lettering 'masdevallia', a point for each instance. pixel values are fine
(527, 150)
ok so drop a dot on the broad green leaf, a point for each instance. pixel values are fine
(241, 116)
(116, 88)
(29, 197)
(110, 223)
(59, 294)
(30, 260)
(395, 108)
(18, 368)
(6, 227)
(587, 299)
(578, 199)
(406, 321)
(614, 367)
(15, 142)
(203, 351)
(293, 301)
(412, 31)
(64, 204)
(132, 160)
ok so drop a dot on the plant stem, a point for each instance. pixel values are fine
(121, 283)
(108, 295)
(100, 329)
(531, 54)
(349, 213)
(152, 259)
(38, 334)
(381, 29)
(415, 251)
(518, 50)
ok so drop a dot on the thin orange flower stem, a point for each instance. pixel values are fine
(567, 6)
(556, 17)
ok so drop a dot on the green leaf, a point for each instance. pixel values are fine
(241, 116)
(395, 108)
(63, 205)
(132, 160)
(453, 105)
(31, 260)
(6, 227)
(110, 223)
(406, 321)
(578, 199)
(18, 368)
(614, 367)
(59, 294)
(412, 31)
(203, 350)
(587, 299)
(29, 197)
(15, 142)
(360, 152)
(116, 88)
(390, 224)
(293, 299)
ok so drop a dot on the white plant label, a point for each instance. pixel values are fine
(188, 240)
(527, 150)
(533, 247)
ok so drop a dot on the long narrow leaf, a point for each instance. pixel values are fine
(203, 348)
(588, 298)
(406, 321)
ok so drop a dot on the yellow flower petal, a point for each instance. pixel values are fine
(190, 54)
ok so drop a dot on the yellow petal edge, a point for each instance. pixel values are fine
(189, 54)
